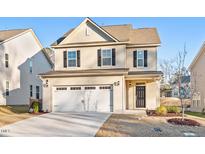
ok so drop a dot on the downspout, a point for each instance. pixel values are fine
(123, 81)
(122, 93)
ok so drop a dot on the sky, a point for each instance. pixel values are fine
(173, 32)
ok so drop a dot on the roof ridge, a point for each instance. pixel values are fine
(15, 29)
(146, 28)
(116, 25)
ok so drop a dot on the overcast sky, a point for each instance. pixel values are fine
(174, 32)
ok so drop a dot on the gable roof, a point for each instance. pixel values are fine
(144, 36)
(201, 50)
(87, 20)
(125, 33)
(134, 36)
(7, 34)
(121, 32)
(58, 41)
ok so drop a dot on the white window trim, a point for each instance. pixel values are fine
(106, 57)
(72, 59)
(140, 58)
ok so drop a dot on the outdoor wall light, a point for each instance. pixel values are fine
(45, 84)
(117, 83)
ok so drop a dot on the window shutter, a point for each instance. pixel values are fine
(99, 57)
(113, 57)
(134, 58)
(65, 59)
(145, 58)
(78, 58)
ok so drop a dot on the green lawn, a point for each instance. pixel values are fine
(197, 114)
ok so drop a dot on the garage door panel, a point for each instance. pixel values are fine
(67, 101)
(104, 101)
(97, 100)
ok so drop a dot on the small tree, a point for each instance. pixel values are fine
(167, 68)
(180, 72)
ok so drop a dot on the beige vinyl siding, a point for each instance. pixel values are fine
(88, 57)
(80, 35)
(118, 91)
(152, 94)
(198, 81)
(152, 59)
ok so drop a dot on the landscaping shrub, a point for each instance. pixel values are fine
(173, 109)
(161, 110)
(35, 107)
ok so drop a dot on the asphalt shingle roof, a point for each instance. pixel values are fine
(7, 34)
(124, 33)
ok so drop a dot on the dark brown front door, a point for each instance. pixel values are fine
(140, 96)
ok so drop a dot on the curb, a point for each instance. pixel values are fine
(195, 117)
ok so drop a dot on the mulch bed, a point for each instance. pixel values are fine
(187, 122)
(152, 113)
(168, 115)
(39, 113)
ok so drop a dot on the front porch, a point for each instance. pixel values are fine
(142, 92)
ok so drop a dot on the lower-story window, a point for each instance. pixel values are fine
(90, 88)
(7, 88)
(31, 91)
(37, 92)
(75, 88)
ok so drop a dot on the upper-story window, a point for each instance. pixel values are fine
(6, 60)
(72, 58)
(140, 58)
(30, 66)
(106, 57)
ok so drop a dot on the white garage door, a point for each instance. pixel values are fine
(82, 98)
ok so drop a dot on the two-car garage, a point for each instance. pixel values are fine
(96, 98)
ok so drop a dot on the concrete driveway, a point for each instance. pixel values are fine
(58, 124)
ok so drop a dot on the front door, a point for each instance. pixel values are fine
(140, 97)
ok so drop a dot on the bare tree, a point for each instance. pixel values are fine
(180, 72)
(167, 68)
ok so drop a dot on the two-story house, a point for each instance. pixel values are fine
(103, 68)
(198, 81)
(22, 58)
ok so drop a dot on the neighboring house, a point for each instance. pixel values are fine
(198, 81)
(165, 90)
(185, 87)
(21, 60)
(103, 68)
